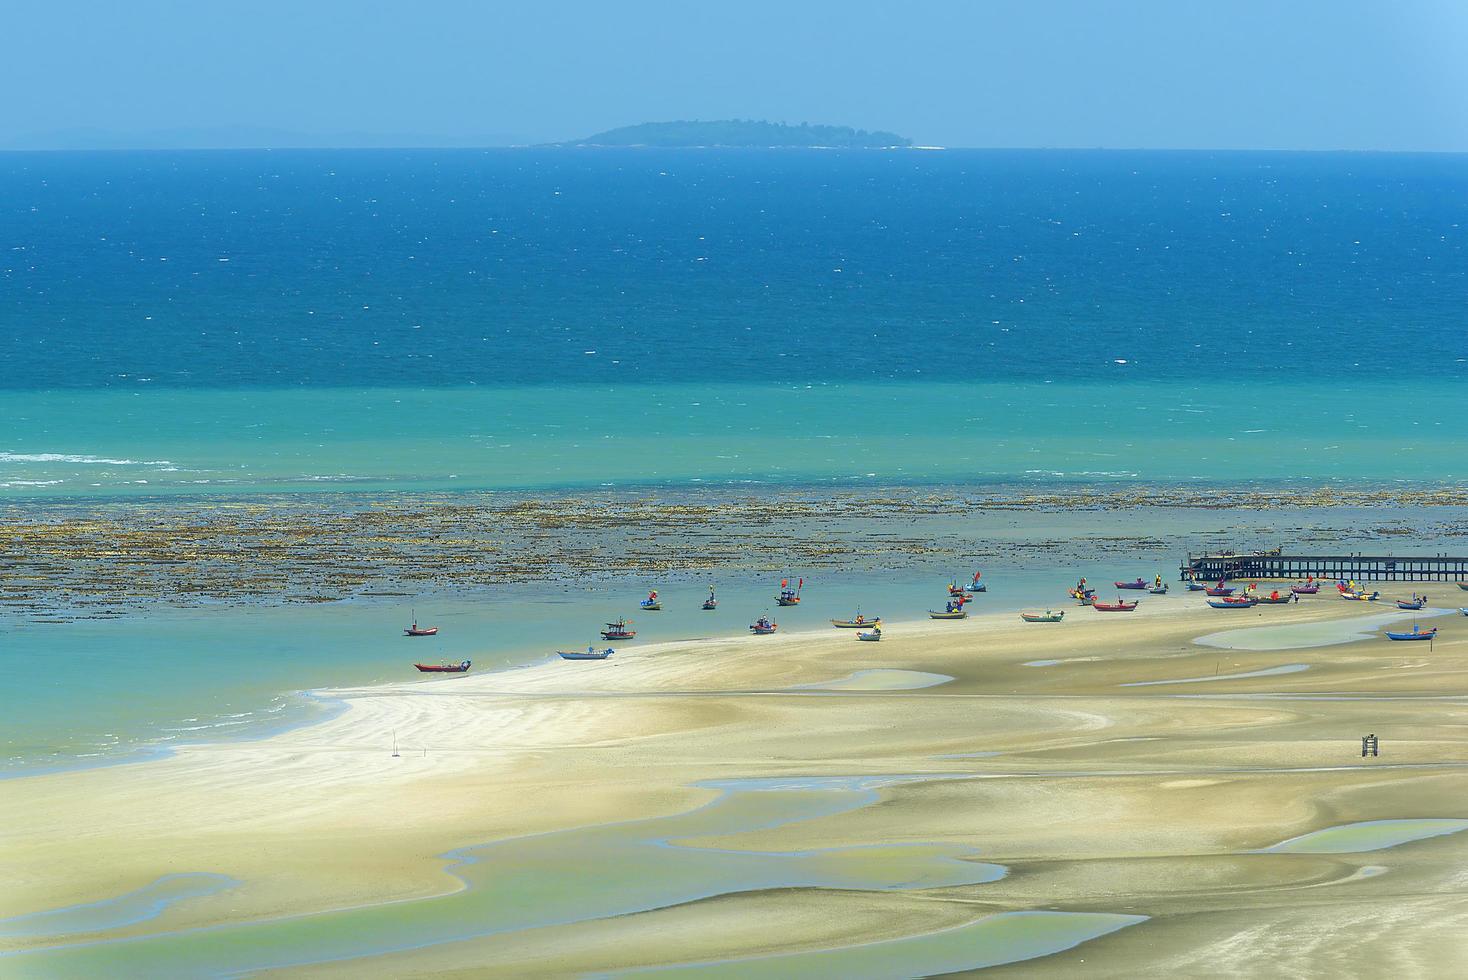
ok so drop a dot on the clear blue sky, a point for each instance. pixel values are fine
(1302, 74)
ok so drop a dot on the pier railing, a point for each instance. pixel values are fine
(1362, 568)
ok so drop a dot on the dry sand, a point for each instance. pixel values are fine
(1097, 797)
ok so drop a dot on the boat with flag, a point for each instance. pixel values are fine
(1417, 634)
(789, 596)
(590, 653)
(652, 603)
(618, 631)
(459, 668)
(1219, 590)
(973, 587)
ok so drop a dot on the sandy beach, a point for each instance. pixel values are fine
(791, 797)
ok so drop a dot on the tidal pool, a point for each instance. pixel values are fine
(146, 903)
(879, 679)
(564, 877)
(1266, 672)
(1008, 937)
(1369, 835)
(1298, 636)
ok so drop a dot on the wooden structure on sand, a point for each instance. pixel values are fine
(1276, 565)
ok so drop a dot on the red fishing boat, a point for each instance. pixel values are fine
(416, 630)
(618, 631)
(459, 668)
(763, 626)
(1120, 605)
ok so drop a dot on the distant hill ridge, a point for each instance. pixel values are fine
(741, 132)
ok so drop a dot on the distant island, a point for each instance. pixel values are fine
(741, 132)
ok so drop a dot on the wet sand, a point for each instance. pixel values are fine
(1149, 808)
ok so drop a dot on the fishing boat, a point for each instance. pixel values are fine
(711, 603)
(789, 596)
(763, 626)
(1086, 598)
(1234, 602)
(652, 603)
(1415, 604)
(1312, 589)
(872, 636)
(1048, 616)
(590, 653)
(950, 613)
(1196, 586)
(1138, 584)
(1219, 590)
(618, 631)
(860, 622)
(1361, 596)
(1274, 599)
(1463, 586)
(416, 630)
(1158, 589)
(974, 585)
(1416, 634)
(458, 668)
(1120, 605)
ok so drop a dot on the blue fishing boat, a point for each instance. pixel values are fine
(652, 603)
(1240, 603)
(590, 653)
(1416, 634)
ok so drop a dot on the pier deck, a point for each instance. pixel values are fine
(1362, 568)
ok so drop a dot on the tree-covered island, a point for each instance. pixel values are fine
(741, 133)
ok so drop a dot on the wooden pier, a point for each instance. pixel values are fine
(1265, 565)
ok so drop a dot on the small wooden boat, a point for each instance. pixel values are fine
(872, 636)
(711, 603)
(1048, 616)
(1138, 584)
(1417, 604)
(763, 626)
(590, 653)
(860, 622)
(458, 668)
(789, 596)
(618, 631)
(1219, 590)
(959, 613)
(1416, 634)
(1240, 602)
(1273, 599)
(1158, 589)
(416, 630)
(652, 603)
(1361, 596)
(1196, 586)
(1312, 589)
(1120, 605)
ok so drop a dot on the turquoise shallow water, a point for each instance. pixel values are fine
(145, 443)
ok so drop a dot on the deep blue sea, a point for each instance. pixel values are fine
(527, 318)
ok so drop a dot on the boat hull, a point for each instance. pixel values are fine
(569, 655)
(461, 668)
(1250, 604)
(1027, 617)
(1113, 606)
(1138, 584)
(960, 614)
(870, 637)
(1217, 591)
(1412, 636)
(1413, 606)
(646, 606)
(853, 624)
(763, 630)
(430, 631)
(1270, 600)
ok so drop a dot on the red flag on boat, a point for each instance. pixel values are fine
(784, 583)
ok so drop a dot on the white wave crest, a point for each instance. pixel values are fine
(78, 458)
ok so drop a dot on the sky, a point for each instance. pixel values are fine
(1225, 74)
